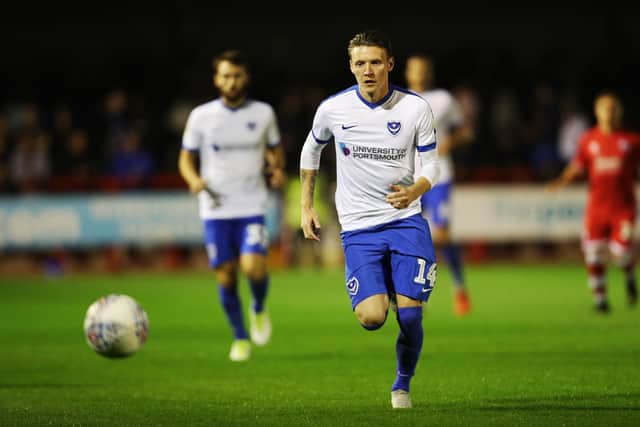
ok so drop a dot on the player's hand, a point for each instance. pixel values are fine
(554, 186)
(401, 197)
(310, 224)
(277, 177)
(197, 185)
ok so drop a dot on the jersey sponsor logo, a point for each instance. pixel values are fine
(372, 153)
(607, 164)
(345, 127)
(353, 285)
(393, 127)
(234, 147)
(344, 148)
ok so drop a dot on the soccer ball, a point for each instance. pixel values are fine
(116, 326)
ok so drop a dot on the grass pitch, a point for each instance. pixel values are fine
(531, 353)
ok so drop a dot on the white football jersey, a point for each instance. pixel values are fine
(376, 145)
(448, 115)
(231, 144)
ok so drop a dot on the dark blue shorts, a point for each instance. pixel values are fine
(227, 239)
(436, 205)
(397, 257)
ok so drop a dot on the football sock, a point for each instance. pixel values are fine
(231, 304)
(259, 290)
(597, 282)
(408, 345)
(629, 272)
(453, 258)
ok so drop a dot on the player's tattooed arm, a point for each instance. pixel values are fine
(309, 221)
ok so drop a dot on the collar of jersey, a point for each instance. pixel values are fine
(246, 101)
(373, 105)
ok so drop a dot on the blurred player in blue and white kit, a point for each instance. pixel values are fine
(378, 130)
(234, 137)
(436, 204)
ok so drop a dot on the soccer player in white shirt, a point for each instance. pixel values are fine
(436, 204)
(377, 130)
(233, 136)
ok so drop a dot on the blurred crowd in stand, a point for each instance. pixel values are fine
(121, 142)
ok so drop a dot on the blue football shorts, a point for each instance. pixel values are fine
(436, 205)
(397, 257)
(227, 239)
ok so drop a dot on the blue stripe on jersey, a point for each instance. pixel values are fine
(319, 141)
(423, 148)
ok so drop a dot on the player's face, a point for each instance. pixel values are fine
(371, 66)
(418, 73)
(231, 81)
(608, 111)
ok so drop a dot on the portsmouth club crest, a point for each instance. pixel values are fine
(393, 127)
(251, 125)
(352, 286)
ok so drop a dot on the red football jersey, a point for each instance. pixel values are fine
(611, 161)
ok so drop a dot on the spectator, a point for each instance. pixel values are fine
(543, 132)
(132, 165)
(74, 167)
(29, 164)
(574, 123)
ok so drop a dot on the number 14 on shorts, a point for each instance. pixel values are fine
(425, 278)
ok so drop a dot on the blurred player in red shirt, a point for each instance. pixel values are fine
(610, 156)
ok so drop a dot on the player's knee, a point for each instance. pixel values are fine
(254, 267)
(371, 319)
(257, 273)
(595, 254)
(226, 277)
(623, 256)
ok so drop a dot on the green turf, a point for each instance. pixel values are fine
(532, 353)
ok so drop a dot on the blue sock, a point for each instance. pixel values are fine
(408, 345)
(452, 255)
(259, 290)
(231, 304)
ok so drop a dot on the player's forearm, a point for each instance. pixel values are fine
(569, 174)
(186, 166)
(421, 186)
(308, 184)
(275, 157)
